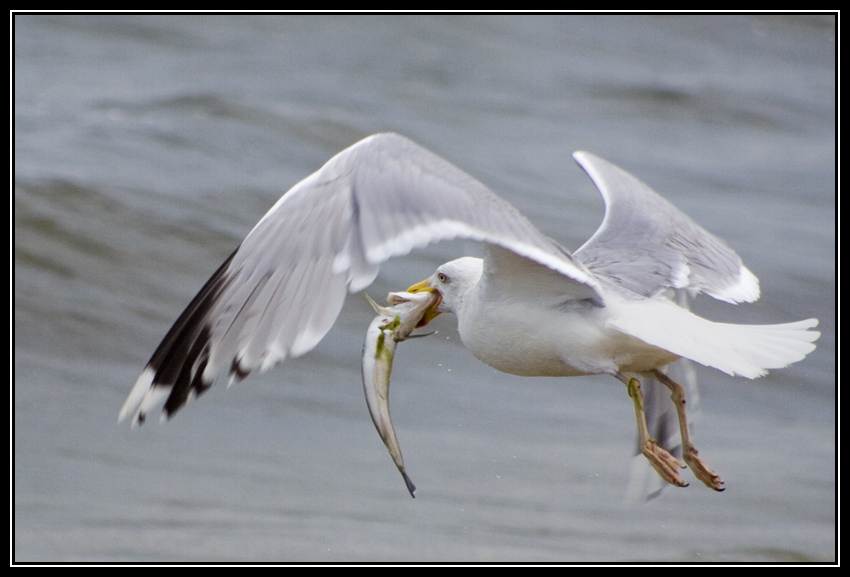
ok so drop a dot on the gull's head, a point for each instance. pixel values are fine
(452, 282)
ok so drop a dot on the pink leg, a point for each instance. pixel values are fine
(689, 453)
(663, 462)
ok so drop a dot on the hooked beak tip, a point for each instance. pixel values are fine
(421, 287)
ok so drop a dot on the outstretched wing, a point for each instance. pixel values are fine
(280, 292)
(647, 245)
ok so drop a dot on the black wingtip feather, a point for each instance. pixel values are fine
(181, 357)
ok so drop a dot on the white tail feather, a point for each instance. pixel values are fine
(746, 350)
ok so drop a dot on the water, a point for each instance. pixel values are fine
(146, 147)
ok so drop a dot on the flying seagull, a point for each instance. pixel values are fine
(528, 308)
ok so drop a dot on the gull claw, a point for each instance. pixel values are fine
(702, 471)
(663, 462)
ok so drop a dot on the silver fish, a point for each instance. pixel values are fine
(394, 323)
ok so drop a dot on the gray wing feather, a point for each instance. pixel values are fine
(648, 246)
(280, 292)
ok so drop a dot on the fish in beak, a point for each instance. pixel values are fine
(393, 324)
(432, 311)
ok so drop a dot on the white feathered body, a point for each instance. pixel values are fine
(554, 341)
(520, 324)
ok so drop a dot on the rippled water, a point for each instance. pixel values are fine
(146, 147)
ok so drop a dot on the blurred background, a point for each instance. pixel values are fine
(146, 148)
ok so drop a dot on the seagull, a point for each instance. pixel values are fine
(528, 308)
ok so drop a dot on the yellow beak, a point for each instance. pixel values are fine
(432, 312)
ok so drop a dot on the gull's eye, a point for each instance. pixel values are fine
(442, 277)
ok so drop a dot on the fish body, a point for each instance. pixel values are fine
(393, 324)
